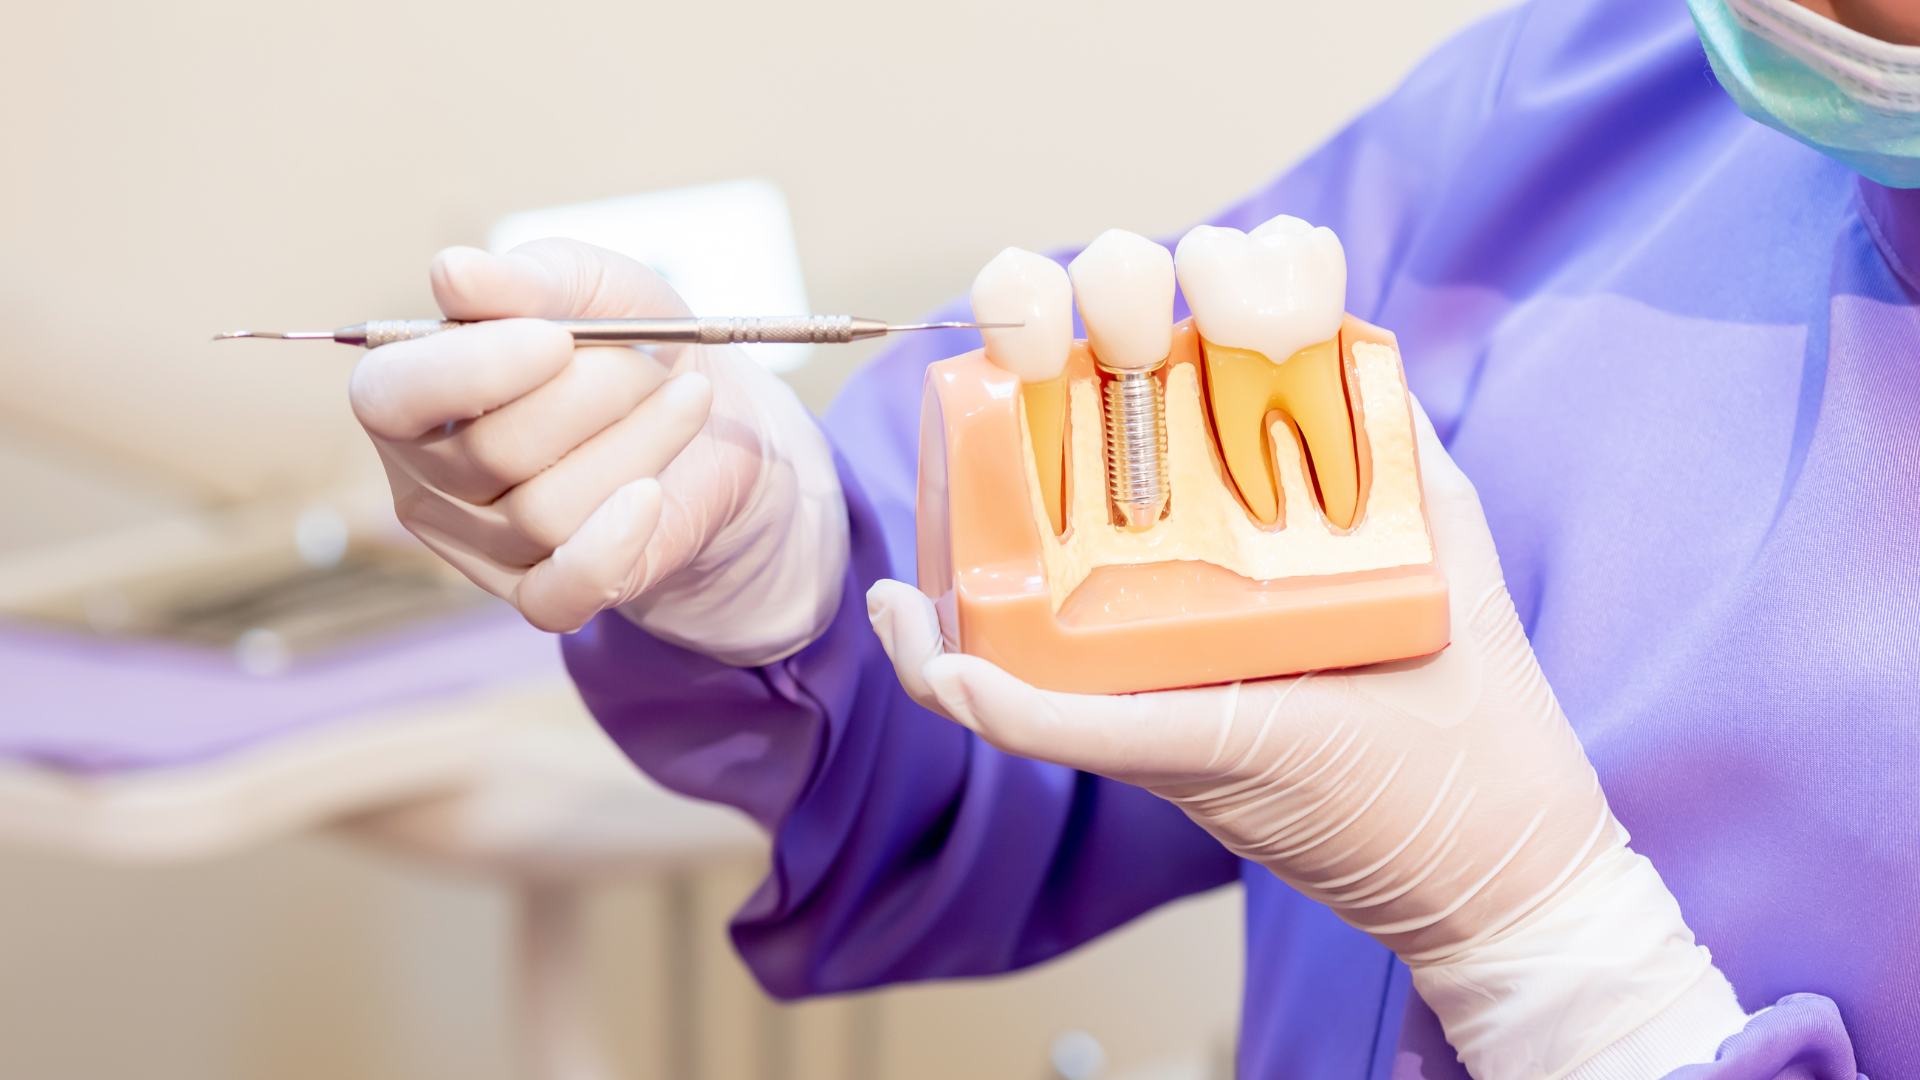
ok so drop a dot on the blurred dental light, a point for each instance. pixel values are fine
(262, 653)
(321, 536)
(727, 248)
(1078, 1056)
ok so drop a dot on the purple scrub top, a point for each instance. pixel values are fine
(1677, 352)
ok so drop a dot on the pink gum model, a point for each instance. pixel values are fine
(1148, 625)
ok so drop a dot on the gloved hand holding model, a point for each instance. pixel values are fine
(685, 486)
(1443, 805)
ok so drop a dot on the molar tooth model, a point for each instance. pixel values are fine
(1227, 516)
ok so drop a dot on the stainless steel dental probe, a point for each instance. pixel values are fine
(794, 330)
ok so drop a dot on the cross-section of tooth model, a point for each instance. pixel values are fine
(1255, 511)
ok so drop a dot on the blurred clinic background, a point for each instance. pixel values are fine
(281, 798)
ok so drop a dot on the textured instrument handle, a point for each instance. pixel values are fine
(793, 330)
(789, 330)
(387, 331)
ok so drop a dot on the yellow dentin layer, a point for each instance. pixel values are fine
(1045, 406)
(1244, 387)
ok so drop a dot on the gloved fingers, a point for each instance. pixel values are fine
(407, 389)
(550, 279)
(477, 461)
(1136, 738)
(908, 626)
(484, 530)
(591, 571)
(410, 496)
(1442, 690)
(426, 510)
(549, 508)
(1439, 474)
(490, 575)
(1462, 543)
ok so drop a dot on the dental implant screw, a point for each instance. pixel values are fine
(1136, 445)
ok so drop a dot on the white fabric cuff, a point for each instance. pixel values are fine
(1687, 1032)
(770, 582)
(1544, 996)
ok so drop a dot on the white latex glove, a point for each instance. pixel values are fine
(684, 485)
(1443, 805)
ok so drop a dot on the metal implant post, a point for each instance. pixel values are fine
(1136, 445)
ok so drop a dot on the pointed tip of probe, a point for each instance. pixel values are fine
(281, 335)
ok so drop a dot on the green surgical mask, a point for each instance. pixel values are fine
(1852, 97)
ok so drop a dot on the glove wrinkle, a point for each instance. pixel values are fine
(1340, 828)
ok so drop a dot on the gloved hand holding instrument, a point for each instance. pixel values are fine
(1443, 805)
(682, 484)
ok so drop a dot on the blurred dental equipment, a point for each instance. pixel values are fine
(797, 330)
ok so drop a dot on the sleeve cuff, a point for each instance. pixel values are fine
(1540, 998)
(1687, 1032)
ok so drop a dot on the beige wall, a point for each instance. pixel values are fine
(178, 169)
(172, 170)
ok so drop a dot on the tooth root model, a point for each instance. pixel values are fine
(1268, 304)
(1248, 567)
(1021, 287)
(1245, 389)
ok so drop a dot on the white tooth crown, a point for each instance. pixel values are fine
(1124, 283)
(1022, 287)
(1275, 290)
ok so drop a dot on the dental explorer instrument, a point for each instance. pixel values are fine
(796, 329)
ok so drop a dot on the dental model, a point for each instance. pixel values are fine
(1261, 511)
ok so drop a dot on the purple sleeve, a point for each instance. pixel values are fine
(1800, 1038)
